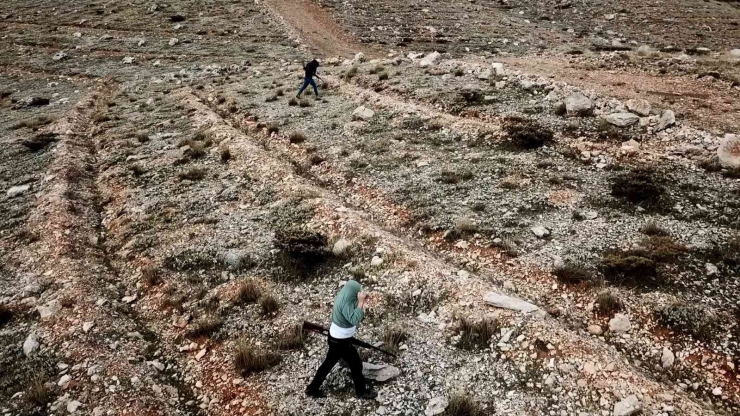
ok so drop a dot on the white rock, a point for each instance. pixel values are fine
(87, 326)
(717, 391)
(622, 119)
(639, 106)
(729, 151)
(376, 261)
(73, 405)
(77, 34)
(30, 345)
(628, 407)
(498, 68)
(667, 358)
(363, 113)
(712, 270)
(64, 381)
(508, 302)
(128, 299)
(610, 16)
(380, 372)
(128, 60)
(577, 103)
(540, 231)
(595, 330)
(631, 146)
(98, 411)
(18, 190)
(59, 56)
(156, 364)
(341, 246)
(436, 406)
(359, 57)
(667, 119)
(735, 53)
(49, 310)
(429, 59)
(200, 354)
(620, 324)
(174, 41)
(589, 368)
(141, 42)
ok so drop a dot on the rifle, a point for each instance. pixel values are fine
(308, 326)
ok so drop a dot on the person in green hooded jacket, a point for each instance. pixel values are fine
(345, 316)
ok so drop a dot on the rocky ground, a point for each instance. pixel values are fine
(543, 199)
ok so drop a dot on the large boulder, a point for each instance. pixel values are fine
(620, 324)
(638, 106)
(729, 151)
(507, 302)
(578, 104)
(429, 59)
(628, 407)
(498, 68)
(380, 372)
(622, 119)
(667, 119)
(363, 113)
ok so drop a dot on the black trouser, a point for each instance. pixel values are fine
(340, 349)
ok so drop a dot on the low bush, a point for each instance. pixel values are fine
(573, 273)
(37, 394)
(691, 320)
(204, 326)
(297, 137)
(150, 274)
(393, 338)
(527, 133)
(465, 226)
(453, 177)
(639, 187)
(269, 305)
(653, 229)
(607, 303)
(292, 339)
(6, 314)
(248, 292)
(293, 102)
(462, 405)
(193, 174)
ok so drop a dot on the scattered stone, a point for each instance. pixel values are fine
(236, 259)
(380, 372)
(59, 56)
(622, 119)
(156, 364)
(540, 231)
(578, 104)
(610, 16)
(18, 190)
(717, 391)
(436, 406)
(729, 151)
(712, 270)
(628, 407)
(429, 59)
(30, 345)
(173, 41)
(363, 113)
(77, 34)
(49, 310)
(620, 324)
(508, 302)
(667, 119)
(64, 381)
(87, 326)
(128, 60)
(631, 146)
(667, 358)
(73, 405)
(639, 106)
(595, 330)
(141, 42)
(498, 68)
(128, 299)
(376, 261)
(735, 53)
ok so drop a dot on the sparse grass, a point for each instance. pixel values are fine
(376, 69)
(607, 303)
(205, 326)
(662, 249)
(511, 183)
(193, 174)
(689, 319)
(301, 252)
(453, 177)
(653, 229)
(728, 252)
(225, 153)
(248, 292)
(271, 98)
(476, 335)
(174, 301)
(37, 393)
(478, 206)
(508, 246)
(304, 103)
(630, 268)
(66, 301)
(639, 187)
(272, 129)
(137, 169)
(573, 273)
(150, 274)
(465, 226)
(293, 102)
(458, 72)
(269, 305)
(297, 137)
(6, 314)
(100, 117)
(250, 360)
(527, 133)
(292, 339)
(279, 92)
(316, 159)
(142, 136)
(197, 149)
(393, 338)
(32, 123)
(462, 405)
(383, 76)
(351, 73)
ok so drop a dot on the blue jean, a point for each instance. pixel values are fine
(306, 82)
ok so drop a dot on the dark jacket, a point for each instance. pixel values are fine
(311, 68)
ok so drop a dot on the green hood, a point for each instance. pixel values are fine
(345, 313)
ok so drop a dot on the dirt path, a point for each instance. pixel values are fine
(706, 102)
(316, 28)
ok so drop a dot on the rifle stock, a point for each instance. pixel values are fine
(308, 326)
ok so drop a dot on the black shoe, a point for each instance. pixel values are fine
(315, 394)
(367, 395)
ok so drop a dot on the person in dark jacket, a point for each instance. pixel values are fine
(310, 69)
(346, 314)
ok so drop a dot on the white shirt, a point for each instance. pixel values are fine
(338, 332)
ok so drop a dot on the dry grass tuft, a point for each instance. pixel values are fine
(573, 273)
(150, 274)
(249, 292)
(607, 303)
(205, 326)
(269, 305)
(461, 405)
(689, 319)
(293, 102)
(37, 393)
(393, 338)
(32, 123)
(193, 174)
(639, 187)
(304, 103)
(250, 360)
(476, 335)
(6, 314)
(142, 136)
(526, 133)
(197, 149)
(455, 176)
(297, 137)
(653, 229)
(225, 153)
(291, 339)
